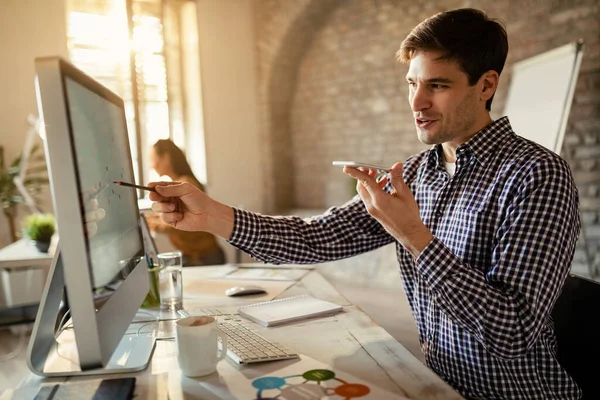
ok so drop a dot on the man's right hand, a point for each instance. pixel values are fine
(185, 207)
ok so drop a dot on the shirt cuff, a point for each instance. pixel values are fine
(246, 229)
(436, 262)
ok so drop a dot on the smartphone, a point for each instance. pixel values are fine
(354, 164)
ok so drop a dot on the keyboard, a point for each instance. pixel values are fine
(244, 346)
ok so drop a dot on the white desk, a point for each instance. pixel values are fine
(23, 254)
(25, 286)
(349, 341)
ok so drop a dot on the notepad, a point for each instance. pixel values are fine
(289, 309)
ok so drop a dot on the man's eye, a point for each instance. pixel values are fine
(412, 84)
(437, 86)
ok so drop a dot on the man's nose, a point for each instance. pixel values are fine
(420, 99)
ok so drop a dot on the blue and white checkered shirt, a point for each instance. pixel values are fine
(504, 226)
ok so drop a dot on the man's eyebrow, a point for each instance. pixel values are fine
(433, 80)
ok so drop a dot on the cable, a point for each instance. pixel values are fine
(152, 319)
(61, 328)
(61, 356)
(159, 330)
(152, 333)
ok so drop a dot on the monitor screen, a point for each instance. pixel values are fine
(149, 243)
(101, 155)
(99, 263)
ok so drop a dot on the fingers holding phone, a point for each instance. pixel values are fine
(354, 164)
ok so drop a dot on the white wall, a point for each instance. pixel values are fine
(28, 29)
(32, 28)
(230, 99)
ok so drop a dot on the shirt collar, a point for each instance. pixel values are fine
(481, 146)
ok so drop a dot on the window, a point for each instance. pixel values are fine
(148, 59)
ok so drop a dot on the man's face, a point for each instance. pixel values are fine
(444, 105)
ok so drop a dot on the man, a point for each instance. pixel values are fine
(485, 222)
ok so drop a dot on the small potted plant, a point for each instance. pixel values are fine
(40, 228)
(35, 181)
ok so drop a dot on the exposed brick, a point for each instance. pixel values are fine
(587, 152)
(593, 232)
(330, 88)
(590, 64)
(594, 77)
(571, 14)
(583, 178)
(590, 96)
(589, 203)
(588, 165)
(591, 137)
(587, 125)
(572, 140)
(585, 111)
(590, 217)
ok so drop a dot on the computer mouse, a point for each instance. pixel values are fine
(244, 290)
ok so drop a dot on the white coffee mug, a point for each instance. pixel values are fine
(197, 345)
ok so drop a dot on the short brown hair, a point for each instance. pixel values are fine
(467, 36)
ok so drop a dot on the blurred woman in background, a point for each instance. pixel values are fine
(198, 248)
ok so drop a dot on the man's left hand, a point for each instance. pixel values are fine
(398, 212)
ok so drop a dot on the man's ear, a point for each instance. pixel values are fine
(488, 84)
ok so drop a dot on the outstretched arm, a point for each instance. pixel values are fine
(340, 232)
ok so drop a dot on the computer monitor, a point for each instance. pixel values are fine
(149, 242)
(87, 149)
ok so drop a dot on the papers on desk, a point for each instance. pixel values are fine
(269, 274)
(303, 378)
(209, 272)
(278, 266)
(288, 309)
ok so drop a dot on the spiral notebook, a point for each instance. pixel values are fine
(289, 309)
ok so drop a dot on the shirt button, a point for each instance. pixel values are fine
(439, 213)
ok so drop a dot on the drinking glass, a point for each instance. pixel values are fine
(170, 280)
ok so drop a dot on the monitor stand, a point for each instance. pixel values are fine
(48, 358)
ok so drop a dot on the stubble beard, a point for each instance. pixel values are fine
(432, 138)
(464, 124)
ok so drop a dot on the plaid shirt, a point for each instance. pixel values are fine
(504, 226)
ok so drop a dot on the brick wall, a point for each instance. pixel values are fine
(285, 30)
(331, 89)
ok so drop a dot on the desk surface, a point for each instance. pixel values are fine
(349, 341)
(23, 253)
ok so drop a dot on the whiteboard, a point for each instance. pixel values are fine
(540, 95)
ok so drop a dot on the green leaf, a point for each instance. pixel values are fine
(40, 227)
(36, 178)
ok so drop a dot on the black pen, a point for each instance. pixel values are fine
(133, 185)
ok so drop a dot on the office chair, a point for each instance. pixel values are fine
(576, 316)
